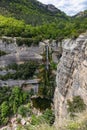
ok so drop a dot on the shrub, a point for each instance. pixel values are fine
(49, 116)
(73, 126)
(75, 106)
(22, 111)
(26, 41)
(18, 120)
(35, 120)
(2, 53)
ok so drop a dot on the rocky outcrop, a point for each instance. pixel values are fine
(71, 76)
(82, 14)
(52, 8)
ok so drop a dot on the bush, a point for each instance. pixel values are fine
(73, 126)
(2, 53)
(35, 120)
(24, 41)
(75, 106)
(5, 121)
(22, 111)
(49, 116)
(4, 109)
(18, 120)
(23, 71)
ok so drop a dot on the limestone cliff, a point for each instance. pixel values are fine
(23, 53)
(17, 54)
(71, 76)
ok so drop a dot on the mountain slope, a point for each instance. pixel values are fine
(49, 22)
(31, 11)
(82, 14)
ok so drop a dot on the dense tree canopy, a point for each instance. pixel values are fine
(55, 30)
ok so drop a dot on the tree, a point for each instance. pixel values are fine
(16, 98)
(4, 109)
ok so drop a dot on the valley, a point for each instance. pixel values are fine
(43, 67)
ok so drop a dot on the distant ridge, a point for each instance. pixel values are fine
(31, 11)
(81, 14)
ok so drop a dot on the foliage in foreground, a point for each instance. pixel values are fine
(79, 123)
(10, 100)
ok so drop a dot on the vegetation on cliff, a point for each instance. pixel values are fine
(17, 101)
(56, 30)
(2, 53)
(79, 123)
(10, 100)
(76, 106)
(22, 71)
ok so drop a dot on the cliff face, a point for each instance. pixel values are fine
(18, 54)
(21, 54)
(71, 76)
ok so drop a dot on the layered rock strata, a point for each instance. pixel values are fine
(71, 76)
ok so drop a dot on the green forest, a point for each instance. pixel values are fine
(31, 11)
(56, 30)
(31, 21)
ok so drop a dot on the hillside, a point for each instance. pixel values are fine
(36, 21)
(82, 14)
(55, 30)
(31, 11)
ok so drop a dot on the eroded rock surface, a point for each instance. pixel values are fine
(18, 54)
(71, 76)
(21, 54)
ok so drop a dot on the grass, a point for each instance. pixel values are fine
(79, 123)
(45, 127)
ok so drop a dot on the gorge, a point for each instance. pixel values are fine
(43, 67)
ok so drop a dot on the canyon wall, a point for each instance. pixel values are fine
(71, 76)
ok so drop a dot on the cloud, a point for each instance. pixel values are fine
(71, 7)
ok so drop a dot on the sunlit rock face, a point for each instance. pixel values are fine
(71, 76)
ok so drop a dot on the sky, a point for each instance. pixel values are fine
(70, 7)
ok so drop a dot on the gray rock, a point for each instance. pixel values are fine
(71, 76)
